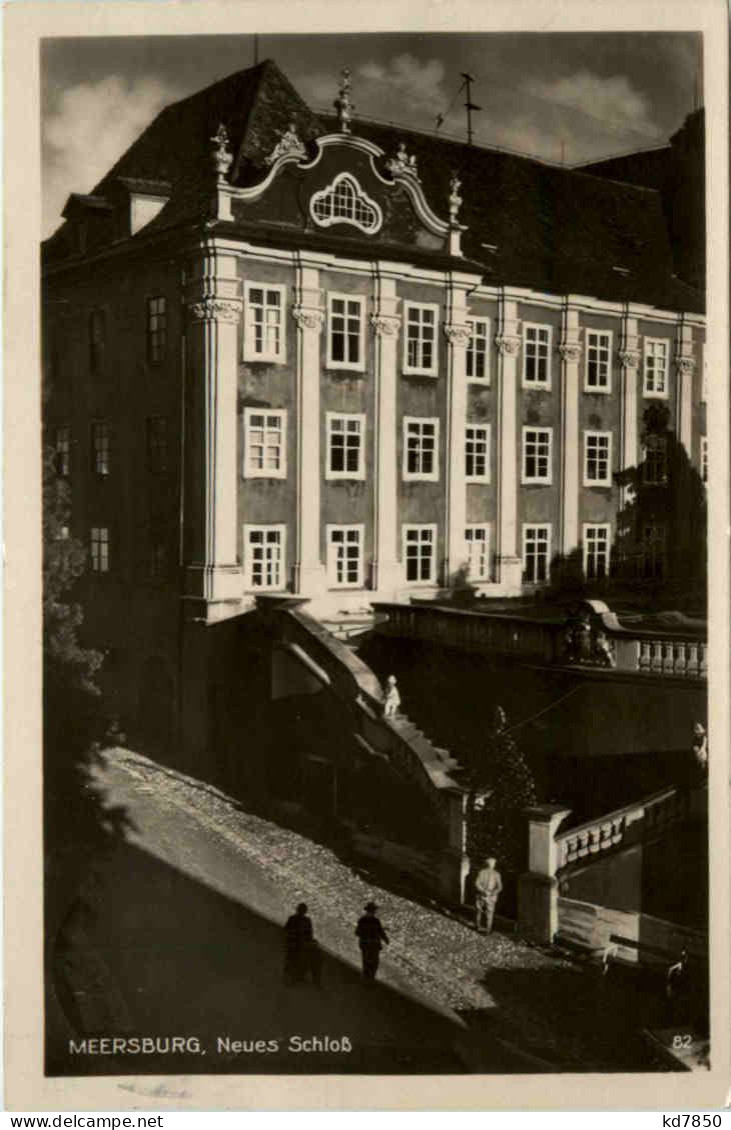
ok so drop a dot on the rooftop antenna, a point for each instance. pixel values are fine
(469, 104)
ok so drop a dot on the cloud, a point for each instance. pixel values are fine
(403, 89)
(613, 100)
(89, 130)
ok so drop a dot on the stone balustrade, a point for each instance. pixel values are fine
(632, 823)
(672, 657)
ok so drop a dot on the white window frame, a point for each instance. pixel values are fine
(648, 343)
(62, 449)
(421, 526)
(420, 476)
(603, 389)
(484, 478)
(355, 366)
(251, 472)
(536, 526)
(587, 529)
(101, 448)
(588, 481)
(704, 460)
(270, 527)
(478, 335)
(471, 528)
(331, 555)
(327, 217)
(545, 386)
(101, 561)
(420, 370)
(250, 353)
(529, 480)
(330, 419)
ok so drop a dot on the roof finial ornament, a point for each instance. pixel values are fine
(220, 153)
(342, 103)
(289, 144)
(402, 163)
(455, 200)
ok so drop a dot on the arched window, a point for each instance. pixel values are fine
(345, 202)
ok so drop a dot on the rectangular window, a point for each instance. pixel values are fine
(97, 338)
(596, 552)
(420, 547)
(656, 367)
(345, 556)
(536, 356)
(157, 444)
(420, 339)
(477, 541)
(536, 554)
(656, 460)
(99, 549)
(264, 322)
(704, 459)
(156, 329)
(345, 446)
(421, 448)
(62, 445)
(598, 361)
(100, 444)
(653, 551)
(597, 459)
(537, 446)
(264, 557)
(478, 350)
(477, 453)
(265, 438)
(345, 332)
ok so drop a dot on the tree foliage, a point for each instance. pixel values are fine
(503, 787)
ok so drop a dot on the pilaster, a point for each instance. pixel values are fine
(629, 359)
(457, 332)
(386, 571)
(309, 573)
(570, 353)
(507, 342)
(210, 536)
(684, 370)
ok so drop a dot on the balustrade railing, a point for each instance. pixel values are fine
(672, 657)
(645, 818)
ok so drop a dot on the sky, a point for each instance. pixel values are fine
(571, 97)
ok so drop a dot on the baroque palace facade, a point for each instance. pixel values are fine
(292, 354)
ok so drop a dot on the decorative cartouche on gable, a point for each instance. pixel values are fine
(289, 145)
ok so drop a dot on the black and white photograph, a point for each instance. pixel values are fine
(376, 385)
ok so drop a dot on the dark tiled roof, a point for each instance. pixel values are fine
(555, 229)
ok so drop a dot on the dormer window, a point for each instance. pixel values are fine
(143, 209)
(345, 202)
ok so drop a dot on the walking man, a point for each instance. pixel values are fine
(299, 947)
(488, 886)
(370, 934)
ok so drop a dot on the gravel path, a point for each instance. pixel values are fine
(529, 999)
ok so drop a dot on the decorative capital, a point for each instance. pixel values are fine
(455, 200)
(342, 103)
(402, 163)
(685, 365)
(308, 317)
(385, 324)
(570, 351)
(289, 144)
(458, 334)
(221, 156)
(216, 310)
(629, 358)
(507, 344)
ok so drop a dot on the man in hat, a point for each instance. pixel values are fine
(301, 952)
(370, 934)
(488, 886)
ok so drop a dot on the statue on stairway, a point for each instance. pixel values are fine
(392, 700)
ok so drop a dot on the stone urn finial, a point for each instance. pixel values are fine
(342, 103)
(221, 156)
